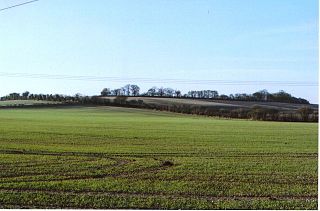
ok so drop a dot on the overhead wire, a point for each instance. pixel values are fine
(18, 5)
(153, 80)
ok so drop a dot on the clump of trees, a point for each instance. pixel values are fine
(127, 90)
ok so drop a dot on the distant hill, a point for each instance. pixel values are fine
(272, 111)
(228, 104)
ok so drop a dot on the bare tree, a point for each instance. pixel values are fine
(168, 92)
(126, 89)
(25, 95)
(116, 92)
(135, 90)
(161, 91)
(152, 91)
(177, 93)
(105, 92)
(305, 112)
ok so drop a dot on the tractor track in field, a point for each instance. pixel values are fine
(219, 155)
(159, 194)
(236, 181)
(68, 163)
(32, 164)
(115, 157)
(56, 173)
(129, 174)
(47, 153)
(119, 162)
(175, 154)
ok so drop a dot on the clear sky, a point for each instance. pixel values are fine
(251, 40)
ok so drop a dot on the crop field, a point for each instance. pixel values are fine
(108, 157)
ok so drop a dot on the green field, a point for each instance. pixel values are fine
(129, 158)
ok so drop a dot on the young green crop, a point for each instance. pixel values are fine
(107, 157)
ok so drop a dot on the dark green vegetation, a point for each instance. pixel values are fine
(129, 158)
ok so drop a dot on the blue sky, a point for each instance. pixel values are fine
(251, 40)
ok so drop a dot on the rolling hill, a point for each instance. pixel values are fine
(219, 103)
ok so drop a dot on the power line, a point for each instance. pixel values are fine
(153, 80)
(17, 5)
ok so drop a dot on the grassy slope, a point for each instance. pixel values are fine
(112, 158)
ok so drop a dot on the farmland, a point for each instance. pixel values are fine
(109, 157)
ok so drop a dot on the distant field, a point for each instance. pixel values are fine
(25, 102)
(219, 103)
(109, 157)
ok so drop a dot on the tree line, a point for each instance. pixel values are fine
(49, 97)
(134, 90)
(262, 96)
